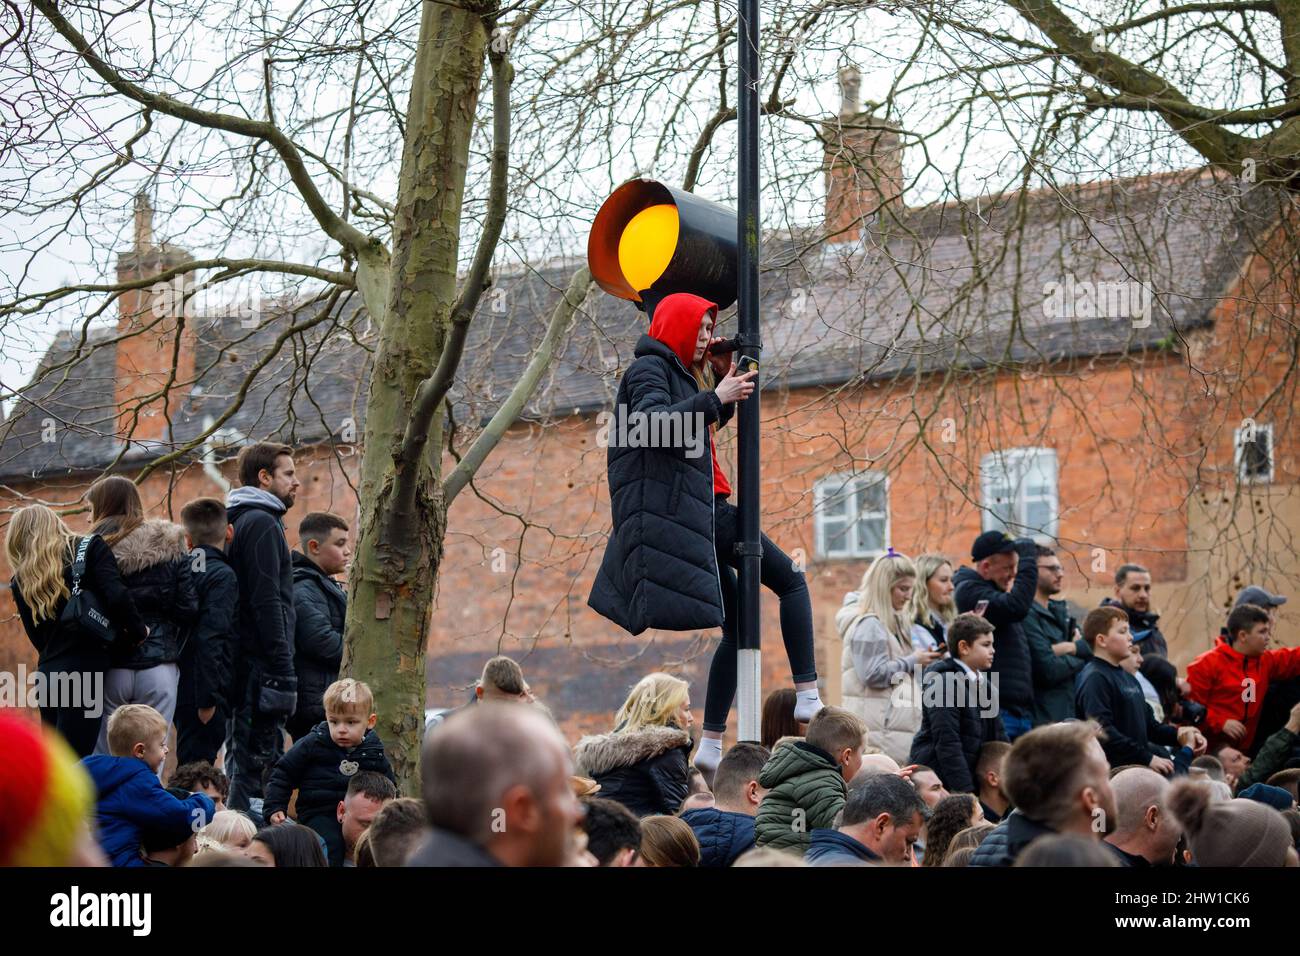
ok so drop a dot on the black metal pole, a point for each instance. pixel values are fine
(749, 690)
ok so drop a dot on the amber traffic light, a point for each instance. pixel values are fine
(650, 240)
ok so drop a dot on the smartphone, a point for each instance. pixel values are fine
(746, 363)
(981, 607)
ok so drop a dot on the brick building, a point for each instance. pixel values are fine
(1110, 367)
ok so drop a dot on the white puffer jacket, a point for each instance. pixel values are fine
(879, 681)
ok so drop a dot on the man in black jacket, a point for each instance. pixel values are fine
(1133, 595)
(320, 611)
(265, 684)
(1058, 780)
(203, 696)
(496, 785)
(1004, 579)
(1110, 695)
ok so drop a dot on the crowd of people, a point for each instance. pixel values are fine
(979, 725)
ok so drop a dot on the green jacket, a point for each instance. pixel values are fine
(805, 790)
(1053, 675)
(1270, 759)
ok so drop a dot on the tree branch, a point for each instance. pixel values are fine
(1215, 144)
(561, 318)
(343, 232)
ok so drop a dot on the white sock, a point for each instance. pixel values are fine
(806, 704)
(709, 755)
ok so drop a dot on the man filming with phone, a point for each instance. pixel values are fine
(1004, 580)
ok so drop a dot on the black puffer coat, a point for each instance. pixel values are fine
(155, 566)
(1007, 611)
(320, 609)
(660, 568)
(319, 769)
(645, 770)
(723, 835)
(1008, 840)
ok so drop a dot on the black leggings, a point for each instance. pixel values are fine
(80, 731)
(779, 576)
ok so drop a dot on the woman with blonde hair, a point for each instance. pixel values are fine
(933, 607)
(41, 551)
(881, 668)
(644, 763)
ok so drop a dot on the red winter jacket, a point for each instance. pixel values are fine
(676, 324)
(1221, 679)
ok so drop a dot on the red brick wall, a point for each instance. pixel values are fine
(1136, 439)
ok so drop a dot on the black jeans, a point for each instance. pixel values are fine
(256, 741)
(779, 576)
(81, 732)
(195, 740)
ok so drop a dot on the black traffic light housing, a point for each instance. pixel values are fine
(700, 258)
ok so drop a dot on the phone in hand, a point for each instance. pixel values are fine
(746, 363)
(981, 607)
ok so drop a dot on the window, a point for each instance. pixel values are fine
(1019, 492)
(851, 515)
(1254, 453)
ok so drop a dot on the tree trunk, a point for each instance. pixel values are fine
(394, 576)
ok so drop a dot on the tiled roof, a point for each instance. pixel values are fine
(958, 283)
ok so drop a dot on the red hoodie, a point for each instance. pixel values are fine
(1220, 678)
(676, 324)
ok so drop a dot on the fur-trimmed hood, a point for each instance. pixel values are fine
(601, 753)
(153, 541)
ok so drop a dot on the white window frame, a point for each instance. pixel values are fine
(1239, 457)
(841, 483)
(1015, 462)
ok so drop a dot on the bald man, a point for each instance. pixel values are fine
(873, 764)
(1145, 834)
(497, 791)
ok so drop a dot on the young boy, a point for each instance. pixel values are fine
(202, 702)
(988, 777)
(320, 764)
(1232, 678)
(807, 780)
(131, 798)
(321, 606)
(959, 714)
(1108, 694)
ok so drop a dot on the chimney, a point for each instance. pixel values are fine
(144, 359)
(863, 161)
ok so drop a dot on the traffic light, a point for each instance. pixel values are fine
(650, 240)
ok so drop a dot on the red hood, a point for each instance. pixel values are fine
(677, 320)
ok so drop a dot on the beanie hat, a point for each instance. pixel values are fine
(1229, 832)
(46, 796)
(1275, 797)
